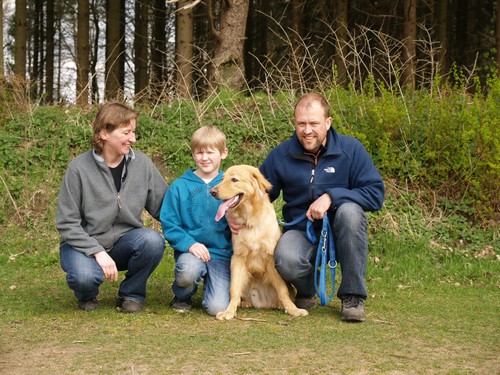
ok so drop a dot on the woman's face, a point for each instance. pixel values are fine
(118, 142)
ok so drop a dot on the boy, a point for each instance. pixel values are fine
(202, 246)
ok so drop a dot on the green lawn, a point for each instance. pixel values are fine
(425, 327)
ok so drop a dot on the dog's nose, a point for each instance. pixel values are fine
(214, 191)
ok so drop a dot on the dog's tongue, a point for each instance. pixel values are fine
(224, 206)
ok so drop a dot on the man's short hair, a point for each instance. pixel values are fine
(307, 99)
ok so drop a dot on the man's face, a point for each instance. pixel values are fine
(311, 126)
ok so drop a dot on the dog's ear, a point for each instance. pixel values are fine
(264, 185)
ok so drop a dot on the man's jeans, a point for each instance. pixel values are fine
(295, 255)
(139, 252)
(190, 271)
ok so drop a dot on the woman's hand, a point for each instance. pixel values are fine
(108, 265)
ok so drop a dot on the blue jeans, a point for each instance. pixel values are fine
(139, 251)
(190, 271)
(295, 255)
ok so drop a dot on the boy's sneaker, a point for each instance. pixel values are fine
(353, 309)
(88, 305)
(181, 305)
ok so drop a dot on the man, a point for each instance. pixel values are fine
(322, 172)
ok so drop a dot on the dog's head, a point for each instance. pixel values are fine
(241, 184)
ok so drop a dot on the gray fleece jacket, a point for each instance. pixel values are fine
(91, 215)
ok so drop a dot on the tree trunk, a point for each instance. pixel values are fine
(141, 47)
(95, 53)
(184, 49)
(2, 72)
(20, 40)
(443, 37)
(297, 44)
(228, 62)
(37, 53)
(158, 47)
(410, 35)
(498, 36)
(82, 54)
(340, 27)
(113, 44)
(49, 59)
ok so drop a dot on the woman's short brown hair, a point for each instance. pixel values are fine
(110, 117)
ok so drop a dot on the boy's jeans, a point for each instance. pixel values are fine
(139, 252)
(295, 255)
(190, 271)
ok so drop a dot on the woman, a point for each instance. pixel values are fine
(102, 197)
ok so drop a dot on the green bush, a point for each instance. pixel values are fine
(438, 150)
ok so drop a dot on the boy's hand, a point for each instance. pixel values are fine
(200, 251)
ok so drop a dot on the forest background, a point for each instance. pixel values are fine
(416, 81)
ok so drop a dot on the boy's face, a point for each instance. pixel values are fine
(208, 161)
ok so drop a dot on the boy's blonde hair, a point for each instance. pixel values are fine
(208, 136)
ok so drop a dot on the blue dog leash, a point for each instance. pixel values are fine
(325, 256)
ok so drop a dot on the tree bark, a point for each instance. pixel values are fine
(2, 72)
(498, 36)
(228, 61)
(20, 40)
(158, 47)
(410, 35)
(141, 46)
(443, 37)
(113, 51)
(82, 54)
(49, 59)
(340, 27)
(184, 49)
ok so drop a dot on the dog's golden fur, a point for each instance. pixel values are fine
(255, 282)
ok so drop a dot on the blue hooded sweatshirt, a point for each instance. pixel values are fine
(188, 216)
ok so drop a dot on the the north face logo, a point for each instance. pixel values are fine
(330, 170)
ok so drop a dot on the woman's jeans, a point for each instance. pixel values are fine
(295, 255)
(190, 271)
(139, 251)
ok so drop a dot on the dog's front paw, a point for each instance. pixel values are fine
(225, 315)
(297, 312)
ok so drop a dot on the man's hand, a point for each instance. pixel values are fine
(233, 225)
(318, 208)
(200, 251)
(107, 264)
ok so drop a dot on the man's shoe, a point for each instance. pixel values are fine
(353, 309)
(181, 305)
(129, 306)
(305, 303)
(88, 305)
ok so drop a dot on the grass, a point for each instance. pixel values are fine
(420, 320)
(433, 273)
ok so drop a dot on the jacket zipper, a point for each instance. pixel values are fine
(312, 182)
(119, 202)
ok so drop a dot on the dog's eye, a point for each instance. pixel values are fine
(234, 179)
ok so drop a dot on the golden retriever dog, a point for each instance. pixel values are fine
(255, 282)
